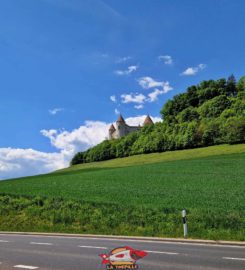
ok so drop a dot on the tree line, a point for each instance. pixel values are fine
(210, 113)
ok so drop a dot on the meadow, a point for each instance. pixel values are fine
(135, 199)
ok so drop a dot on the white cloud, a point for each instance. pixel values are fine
(133, 98)
(123, 59)
(113, 98)
(129, 70)
(139, 106)
(148, 82)
(55, 111)
(24, 162)
(139, 120)
(190, 71)
(167, 59)
(160, 88)
(153, 96)
(117, 111)
(91, 133)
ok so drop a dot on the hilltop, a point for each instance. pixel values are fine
(210, 113)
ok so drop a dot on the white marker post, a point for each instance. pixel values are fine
(184, 222)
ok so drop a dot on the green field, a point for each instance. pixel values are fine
(208, 182)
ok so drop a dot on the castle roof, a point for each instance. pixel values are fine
(120, 119)
(148, 121)
(112, 128)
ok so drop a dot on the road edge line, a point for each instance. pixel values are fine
(123, 237)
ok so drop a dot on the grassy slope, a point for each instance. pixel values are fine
(145, 199)
(162, 157)
(183, 180)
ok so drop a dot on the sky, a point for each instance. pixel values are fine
(69, 67)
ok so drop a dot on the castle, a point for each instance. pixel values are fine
(122, 129)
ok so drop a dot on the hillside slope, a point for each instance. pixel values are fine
(162, 157)
(143, 198)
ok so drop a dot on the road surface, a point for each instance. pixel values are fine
(78, 253)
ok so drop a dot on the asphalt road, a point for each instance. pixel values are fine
(76, 253)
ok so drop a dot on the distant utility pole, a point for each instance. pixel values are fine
(184, 222)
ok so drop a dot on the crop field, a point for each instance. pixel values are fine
(211, 188)
(216, 182)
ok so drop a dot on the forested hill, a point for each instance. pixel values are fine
(212, 112)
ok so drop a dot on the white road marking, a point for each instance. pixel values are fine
(141, 241)
(4, 241)
(231, 258)
(155, 242)
(37, 243)
(26, 266)
(162, 252)
(129, 240)
(93, 247)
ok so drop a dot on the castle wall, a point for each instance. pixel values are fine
(132, 129)
(122, 129)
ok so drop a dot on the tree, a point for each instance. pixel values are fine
(187, 115)
(235, 130)
(207, 94)
(192, 96)
(77, 159)
(231, 86)
(241, 84)
(214, 107)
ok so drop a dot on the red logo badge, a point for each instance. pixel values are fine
(122, 258)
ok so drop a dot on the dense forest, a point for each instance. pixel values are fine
(212, 112)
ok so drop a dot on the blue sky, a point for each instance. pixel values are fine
(62, 62)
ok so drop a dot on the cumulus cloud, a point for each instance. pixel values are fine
(55, 111)
(133, 98)
(160, 87)
(129, 70)
(167, 59)
(24, 162)
(148, 82)
(91, 133)
(153, 96)
(190, 71)
(113, 98)
(117, 111)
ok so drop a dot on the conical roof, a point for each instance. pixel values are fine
(120, 119)
(148, 121)
(112, 128)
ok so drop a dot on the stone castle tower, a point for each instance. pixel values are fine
(122, 129)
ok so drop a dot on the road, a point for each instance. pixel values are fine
(78, 253)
